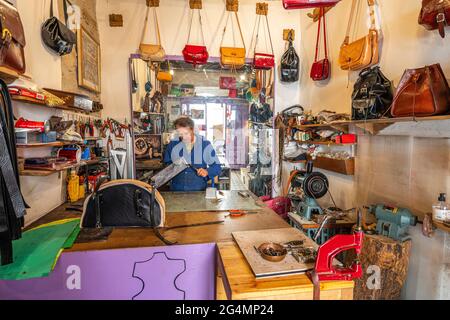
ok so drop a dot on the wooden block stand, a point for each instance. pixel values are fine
(393, 259)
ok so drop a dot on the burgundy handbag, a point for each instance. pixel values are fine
(321, 69)
(263, 61)
(435, 14)
(12, 41)
(195, 54)
(306, 4)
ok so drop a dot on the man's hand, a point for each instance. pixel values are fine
(202, 172)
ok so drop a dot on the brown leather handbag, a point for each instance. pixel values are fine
(435, 14)
(364, 52)
(422, 92)
(12, 42)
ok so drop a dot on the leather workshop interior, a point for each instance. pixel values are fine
(225, 150)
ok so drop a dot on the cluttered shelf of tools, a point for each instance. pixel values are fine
(48, 172)
(373, 126)
(342, 166)
(42, 103)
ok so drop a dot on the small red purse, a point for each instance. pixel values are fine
(320, 70)
(227, 83)
(263, 61)
(306, 4)
(195, 54)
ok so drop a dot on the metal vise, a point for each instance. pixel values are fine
(393, 222)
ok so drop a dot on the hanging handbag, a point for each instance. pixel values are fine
(227, 83)
(422, 92)
(372, 95)
(152, 52)
(363, 52)
(435, 14)
(263, 61)
(232, 57)
(56, 35)
(307, 4)
(196, 55)
(321, 69)
(12, 42)
(165, 76)
(290, 64)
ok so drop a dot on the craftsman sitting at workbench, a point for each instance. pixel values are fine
(198, 152)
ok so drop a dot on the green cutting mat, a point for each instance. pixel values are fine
(36, 253)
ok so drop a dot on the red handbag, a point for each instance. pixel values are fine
(263, 61)
(306, 4)
(321, 69)
(195, 54)
(227, 83)
(435, 14)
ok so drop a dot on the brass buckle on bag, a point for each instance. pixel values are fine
(440, 17)
(6, 33)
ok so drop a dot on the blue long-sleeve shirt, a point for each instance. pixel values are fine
(202, 155)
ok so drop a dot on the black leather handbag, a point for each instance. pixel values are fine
(56, 35)
(372, 95)
(260, 113)
(123, 203)
(290, 64)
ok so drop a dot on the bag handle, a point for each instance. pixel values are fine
(158, 34)
(201, 26)
(225, 29)
(371, 4)
(257, 34)
(321, 16)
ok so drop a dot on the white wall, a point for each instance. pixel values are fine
(118, 43)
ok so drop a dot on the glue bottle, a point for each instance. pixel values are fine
(440, 209)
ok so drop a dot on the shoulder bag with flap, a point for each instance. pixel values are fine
(307, 4)
(195, 54)
(12, 41)
(263, 61)
(164, 76)
(56, 35)
(232, 57)
(435, 14)
(321, 69)
(152, 52)
(363, 52)
(422, 92)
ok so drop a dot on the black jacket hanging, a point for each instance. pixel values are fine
(12, 205)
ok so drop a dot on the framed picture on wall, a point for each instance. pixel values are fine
(89, 64)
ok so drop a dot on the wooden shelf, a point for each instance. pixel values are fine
(372, 126)
(44, 104)
(47, 172)
(150, 113)
(346, 167)
(328, 143)
(46, 145)
(441, 226)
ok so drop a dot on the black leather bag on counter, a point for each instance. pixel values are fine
(56, 35)
(290, 64)
(372, 95)
(123, 203)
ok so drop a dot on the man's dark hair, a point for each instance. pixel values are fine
(184, 122)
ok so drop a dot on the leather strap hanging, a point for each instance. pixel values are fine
(201, 24)
(321, 17)
(158, 34)
(239, 26)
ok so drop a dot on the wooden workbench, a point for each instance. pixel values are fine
(234, 270)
